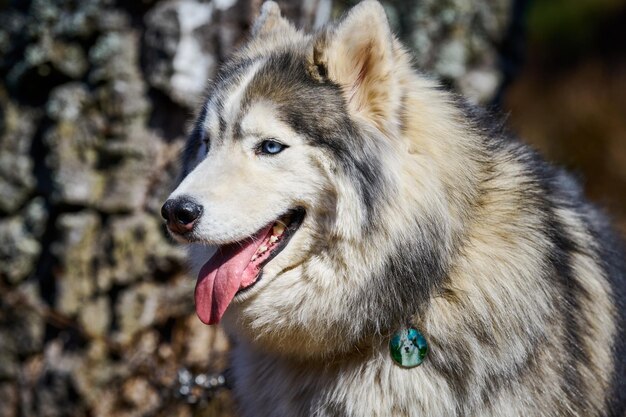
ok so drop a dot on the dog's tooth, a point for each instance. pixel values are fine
(278, 229)
(273, 239)
(262, 248)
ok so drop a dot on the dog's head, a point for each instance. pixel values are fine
(408, 344)
(301, 172)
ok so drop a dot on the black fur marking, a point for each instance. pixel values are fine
(555, 191)
(318, 112)
(194, 141)
(452, 360)
(227, 76)
(559, 188)
(574, 326)
(230, 70)
(322, 71)
(611, 256)
(222, 123)
(495, 383)
(224, 76)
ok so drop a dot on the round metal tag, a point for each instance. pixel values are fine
(408, 347)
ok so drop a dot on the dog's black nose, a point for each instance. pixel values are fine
(181, 213)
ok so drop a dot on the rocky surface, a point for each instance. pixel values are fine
(96, 313)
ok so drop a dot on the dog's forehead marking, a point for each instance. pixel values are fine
(224, 114)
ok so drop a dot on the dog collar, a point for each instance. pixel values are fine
(408, 347)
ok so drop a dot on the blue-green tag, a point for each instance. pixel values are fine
(408, 347)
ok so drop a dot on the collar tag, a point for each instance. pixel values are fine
(408, 347)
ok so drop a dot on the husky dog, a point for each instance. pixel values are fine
(347, 196)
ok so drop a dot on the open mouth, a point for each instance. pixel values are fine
(237, 266)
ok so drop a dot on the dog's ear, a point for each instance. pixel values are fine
(270, 20)
(358, 55)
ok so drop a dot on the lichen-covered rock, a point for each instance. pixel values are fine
(137, 251)
(53, 388)
(128, 172)
(146, 304)
(204, 347)
(141, 395)
(10, 399)
(73, 147)
(136, 309)
(27, 316)
(17, 128)
(95, 317)
(51, 49)
(181, 51)
(115, 63)
(9, 364)
(75, 252)
(22, 328)
(133, 241)
(457, 40)
(67, 102)
(21, 241)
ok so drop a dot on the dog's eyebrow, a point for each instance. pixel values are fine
(260, 118)
(255, 133)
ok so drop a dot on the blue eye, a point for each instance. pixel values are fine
(271, 147)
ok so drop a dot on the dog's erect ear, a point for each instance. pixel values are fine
(358, 55)
(269, 20)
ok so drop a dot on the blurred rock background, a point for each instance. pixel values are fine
(96, 310)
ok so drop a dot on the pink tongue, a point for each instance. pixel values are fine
(228, 271)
